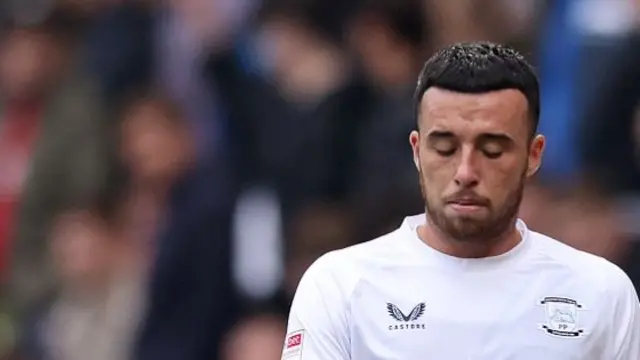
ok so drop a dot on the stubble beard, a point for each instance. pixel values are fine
(486, 230)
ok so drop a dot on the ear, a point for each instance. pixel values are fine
(536, 151)
(414, 141)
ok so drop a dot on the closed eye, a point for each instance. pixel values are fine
(492, 154)
(447, 152)
(442, 142)
(493, 146)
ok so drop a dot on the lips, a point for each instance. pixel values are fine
(468, 202)
(467, 207)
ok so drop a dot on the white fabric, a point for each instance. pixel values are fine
(397, 298)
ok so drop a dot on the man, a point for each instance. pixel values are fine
(52, 153)
(467, 280)
(178, 215)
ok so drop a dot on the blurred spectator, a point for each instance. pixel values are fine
(506, 21)
(96, 313)
(389, 38)
(294, 104)
(52, 137)
(118, 46)
(155, 144)
(183, 31)
(559, 56)
(580, 39)
(297, 109)
(609, 136)
(610, 142)
(182, 223)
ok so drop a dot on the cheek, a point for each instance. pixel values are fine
(502, 179)
(435, 175)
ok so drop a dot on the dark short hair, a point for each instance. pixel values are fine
(58, 25)
(149, 94)
(480, 67)
(107, 200)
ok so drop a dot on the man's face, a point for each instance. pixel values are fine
(473, 153)
(80, 248)
(26, 60)
(156, 147)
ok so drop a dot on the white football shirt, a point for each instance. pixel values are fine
(397, 298)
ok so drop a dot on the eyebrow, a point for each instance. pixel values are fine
(484, 137)
(438, 134)
(497, 137)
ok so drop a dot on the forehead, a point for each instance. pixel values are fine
(502, 111)
(149, 113)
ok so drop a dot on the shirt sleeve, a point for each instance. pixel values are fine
(626, 326)
(318, 326)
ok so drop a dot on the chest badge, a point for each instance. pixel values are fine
(562, 317)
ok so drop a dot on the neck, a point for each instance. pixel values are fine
(435, 238)
(159, 185)
(89, 287)
(151, 194)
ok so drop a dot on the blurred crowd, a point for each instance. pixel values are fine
(169, 169)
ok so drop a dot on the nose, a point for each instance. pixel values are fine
(466, 174)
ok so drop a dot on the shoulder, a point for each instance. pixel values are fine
(339, 271)
(601, 274)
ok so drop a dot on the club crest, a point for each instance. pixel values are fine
(562, 316)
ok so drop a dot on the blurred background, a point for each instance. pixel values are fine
(169, 169)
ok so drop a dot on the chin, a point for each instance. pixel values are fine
(466, 227)
(453, 216)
